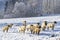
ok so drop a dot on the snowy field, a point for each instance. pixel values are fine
(13, 33)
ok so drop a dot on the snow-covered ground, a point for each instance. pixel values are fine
(13, 33)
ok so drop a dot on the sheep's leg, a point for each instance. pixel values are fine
(43, 29)
(47, 28)
(31, 31)
(24, 31)
(35, 31)
(19, 30)
(7, 30)
(38, 32)
(52, 28)
(3, 30)
(27, 29)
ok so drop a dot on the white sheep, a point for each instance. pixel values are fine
(22, 28)
(51, 25)
(44, 24)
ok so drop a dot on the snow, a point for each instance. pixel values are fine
(13, 33)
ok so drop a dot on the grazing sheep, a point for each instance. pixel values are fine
(6, 28)
(44, 24)
(28, 27)
(32, 27)
(51, 25)
(23, 28)
(36, 30)
(36, 25)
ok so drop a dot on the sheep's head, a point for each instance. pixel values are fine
(55, 22)
(10, 25)
(45, 22)
(39, 26)
(24, 23)
(31, 25)
(38, 23)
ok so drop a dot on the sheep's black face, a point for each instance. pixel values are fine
(39, 26)
(45, 22)
(38, 23)
(55, 22)
(31, 25)
(9, 26)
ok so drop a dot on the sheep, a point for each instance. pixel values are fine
(6, 28)
(36, 30)
(36, 25)
(51, 25)
(32, 27)
(44, 24)
(23, 28)
(29, 26)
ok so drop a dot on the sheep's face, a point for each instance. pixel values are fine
(55, 22)
(45, 22)
(10, 25)
(39, 26)
(24, 23)
(38, 23)
(31, 25)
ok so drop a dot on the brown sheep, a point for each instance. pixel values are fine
(36, 30)
(28, 27)
(6, 28)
